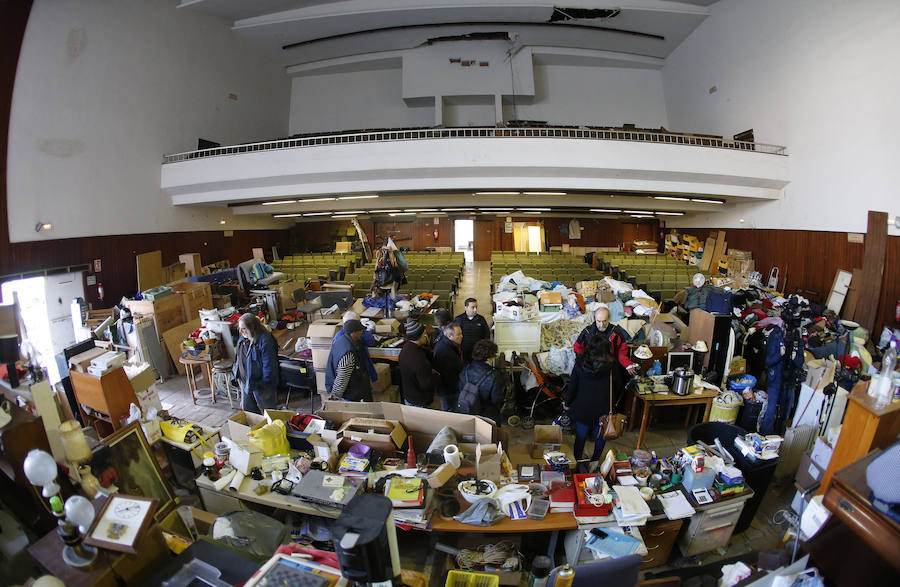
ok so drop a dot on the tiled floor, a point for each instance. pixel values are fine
(664, 439)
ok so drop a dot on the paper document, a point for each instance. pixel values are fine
(676, 505)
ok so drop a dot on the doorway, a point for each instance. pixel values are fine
(464, 236)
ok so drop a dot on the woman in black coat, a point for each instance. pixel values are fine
(587, 396)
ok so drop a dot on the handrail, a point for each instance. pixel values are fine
(482, 132)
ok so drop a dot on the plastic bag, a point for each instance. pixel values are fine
(253, 533)
(271, 439)
(484, 512)
(443, 438)
(562, 361)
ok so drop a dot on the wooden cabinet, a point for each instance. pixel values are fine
(106, 398)
(866, 427)
(659, 538)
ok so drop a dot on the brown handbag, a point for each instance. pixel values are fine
(611, 425)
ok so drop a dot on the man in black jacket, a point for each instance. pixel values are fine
(474, 328)
(417, 378)
(448, 361)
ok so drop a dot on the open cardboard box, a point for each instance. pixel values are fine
(384, 435)
(239, 425)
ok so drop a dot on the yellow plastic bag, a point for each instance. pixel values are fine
(271, 439)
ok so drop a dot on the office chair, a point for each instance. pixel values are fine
(612, 572)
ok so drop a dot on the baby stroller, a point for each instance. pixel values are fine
(543, 392)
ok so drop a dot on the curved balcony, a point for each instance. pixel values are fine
(466, 159)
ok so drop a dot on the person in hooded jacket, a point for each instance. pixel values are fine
(588, 394)
(256, 367)
(491, 383)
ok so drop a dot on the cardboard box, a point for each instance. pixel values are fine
(244, 457)
(441, 475)
(808, 474)
(143, 380)
(384, 377)
(239, 425)
(385, 435)
(387, 326)
(152, 430)
(194, 296)
(221, 301)
(546, 437)
(149, 398)
(173, 272)
(321, 332)
(192, 264)
(320, 358)
(82, 361)
(551, 298)
(167, 311)
(320, 380)
(488, 458)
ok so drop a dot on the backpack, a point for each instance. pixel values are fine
(469, 397)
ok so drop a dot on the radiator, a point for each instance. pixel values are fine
(797, 442)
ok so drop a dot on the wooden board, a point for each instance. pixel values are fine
(718, 253)
(853, 293)
(708, 251)
(192, 263)
(173, 338)
(873, 270)
(149, 270)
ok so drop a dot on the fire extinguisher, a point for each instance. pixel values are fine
(100, 291)
(897, 312)
(435, 233)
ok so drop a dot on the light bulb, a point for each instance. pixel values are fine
(80, 511)
(40, 468)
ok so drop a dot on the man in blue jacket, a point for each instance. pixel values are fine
(345, 374)
(367, 340)
(256, 366)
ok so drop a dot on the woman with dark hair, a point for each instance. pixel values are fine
(587, 396)
(256, 366)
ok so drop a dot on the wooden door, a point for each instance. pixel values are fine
(484, 240)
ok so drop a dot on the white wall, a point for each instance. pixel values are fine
(819, 76)
(103, 90)
(597, 96)
(354, 101)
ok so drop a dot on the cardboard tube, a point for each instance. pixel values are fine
(236, 481)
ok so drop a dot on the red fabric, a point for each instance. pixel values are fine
(19, 370)
(851, 363)
(621, 350)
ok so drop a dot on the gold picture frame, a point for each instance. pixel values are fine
(137, 471)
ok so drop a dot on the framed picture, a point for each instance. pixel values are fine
(122, 523)
(132, 468)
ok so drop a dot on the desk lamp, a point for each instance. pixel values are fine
(79, 453)
(74, 519)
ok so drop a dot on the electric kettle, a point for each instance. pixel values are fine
(682, 381)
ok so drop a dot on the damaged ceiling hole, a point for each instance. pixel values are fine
(563, 14)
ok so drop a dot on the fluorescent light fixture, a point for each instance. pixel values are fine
(403, 214)
(496, 209)
(545, 193)
(421, 209)
(315, 214)
(457, 209)
(42, 226)
(222, 221)
(534, 209)
(529, 213)
(382, 211)
(673, 198)
(635, 211)
(350, 212)
(706, 201)
(641, 216)
(366, 197)
(292, 215)
(279, 202)
(670, 213)
(344, 216)
(606, 211)
(316, 200)
(497, 193)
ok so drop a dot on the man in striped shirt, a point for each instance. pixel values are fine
(345, 375)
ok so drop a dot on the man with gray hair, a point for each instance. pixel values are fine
(448, 361)
(256, 366)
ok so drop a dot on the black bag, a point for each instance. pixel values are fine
(384, 275)
(469, 398)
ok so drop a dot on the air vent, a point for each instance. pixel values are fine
(564, 14)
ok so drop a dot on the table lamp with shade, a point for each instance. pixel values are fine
(74, 518)
(79, 454)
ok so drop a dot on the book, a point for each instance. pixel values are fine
(615, 544)
(675, 505)
(562, 497)
(405, 492)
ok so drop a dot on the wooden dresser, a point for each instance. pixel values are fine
(108, 399)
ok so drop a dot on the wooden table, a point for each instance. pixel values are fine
(848, 499)
(246, 493)
(652, 400)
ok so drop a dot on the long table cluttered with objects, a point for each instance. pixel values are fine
(453, 473)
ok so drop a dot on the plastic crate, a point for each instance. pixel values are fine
(471, 579)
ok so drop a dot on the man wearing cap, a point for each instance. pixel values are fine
(616, 335)
(367, 340)
(345, 374)
(417, 378)
(474, 328)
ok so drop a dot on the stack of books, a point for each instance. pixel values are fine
(405, 492)
(631, 509)
(562, 497)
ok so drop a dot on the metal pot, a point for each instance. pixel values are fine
(682, 381)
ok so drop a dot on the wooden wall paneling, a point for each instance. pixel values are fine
(873, 270)
(890, 291)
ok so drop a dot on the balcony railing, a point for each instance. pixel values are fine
(483, 133)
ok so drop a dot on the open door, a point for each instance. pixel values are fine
(484, 239)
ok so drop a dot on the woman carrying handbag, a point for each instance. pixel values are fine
(588, 397)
